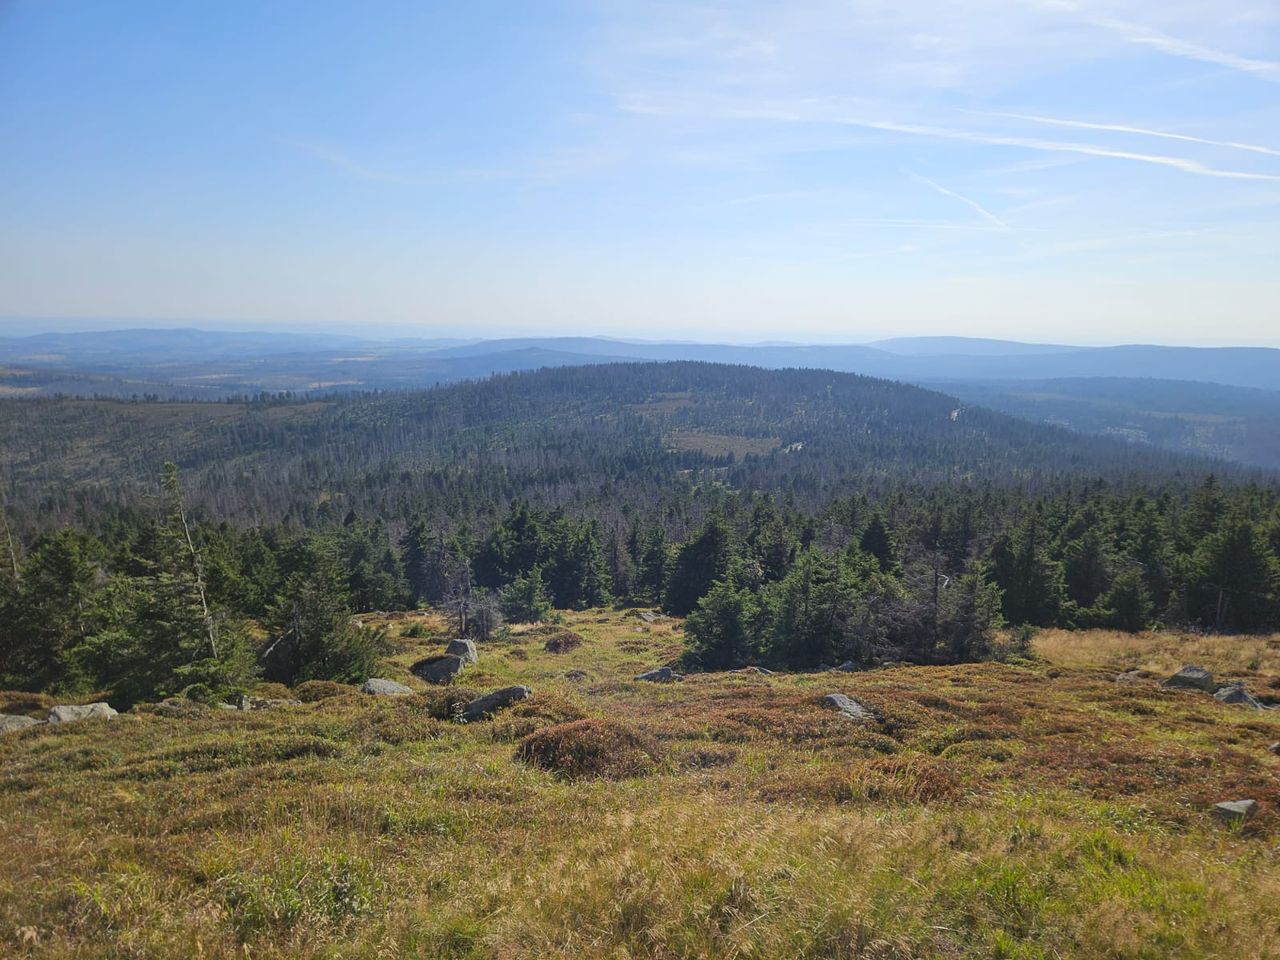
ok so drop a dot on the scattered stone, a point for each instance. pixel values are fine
(848, 667)
(10, 723)
(1236, 695)
(265, 703)
(87, 711)
(660, 675)
(850, 707)
(464, 648)
(441, 668)
(1129, 676)
(1192, 677)
(379, 687)
(1233, 812)
(493, 702)
(1275, 748)
(227, 706)
(576, 676)
(648, 616)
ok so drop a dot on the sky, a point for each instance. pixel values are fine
(1049, 170)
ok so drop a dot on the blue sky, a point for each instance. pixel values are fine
(1060, 170)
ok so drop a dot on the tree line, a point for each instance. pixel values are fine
(151, 600)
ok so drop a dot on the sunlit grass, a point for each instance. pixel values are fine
(1038, 810)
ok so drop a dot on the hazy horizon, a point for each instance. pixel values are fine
(1058, 171)
(26, 326)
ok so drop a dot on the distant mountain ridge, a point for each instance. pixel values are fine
(1216, 401)
(163, 356)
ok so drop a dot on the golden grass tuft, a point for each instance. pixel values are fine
(590, 748)
(562, 642)
(533, 714)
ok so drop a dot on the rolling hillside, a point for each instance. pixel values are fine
(559, 435)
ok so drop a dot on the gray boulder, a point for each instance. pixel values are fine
(493, 702)
(1192, 677)
(1129, 676)
(577, 676)
(10, 723)
(379, 687)
(1236, 695)
(660, 675)
(1235, 811)
(1274, 748)
(848, 706)
(87, 711)
(848, 667)
(438, 669)
(464, 648)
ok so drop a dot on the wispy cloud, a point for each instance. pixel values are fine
(341, 161)
(1184, 164)
(1175, 47)
(816, 112)
(1138, 131)
(919, 222)
(972, 204)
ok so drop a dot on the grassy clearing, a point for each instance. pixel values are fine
(1031, 811)
(1249, 658)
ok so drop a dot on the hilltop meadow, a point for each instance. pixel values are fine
(1041, 807)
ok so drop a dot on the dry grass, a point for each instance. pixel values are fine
(590, 748)
(1033, 811)
(1241, 657)
(311, 691)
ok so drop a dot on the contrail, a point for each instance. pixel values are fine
(982, 211)
(1123, 128)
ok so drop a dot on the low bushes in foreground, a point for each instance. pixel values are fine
(590, 748)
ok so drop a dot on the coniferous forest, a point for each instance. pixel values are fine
(797, 518)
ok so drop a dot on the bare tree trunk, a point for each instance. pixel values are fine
(199, 569)
(171, 482)
(8, 534)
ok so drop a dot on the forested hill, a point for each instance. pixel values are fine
(601, 438)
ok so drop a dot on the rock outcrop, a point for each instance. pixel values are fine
(660, 675)
(1234, 812)
(464, 648)
(1237, 695)
(87, 711)
(379, 687)
(441, 668)
(848, 706)
(491, 703)
(1192, 677)
(11, 723)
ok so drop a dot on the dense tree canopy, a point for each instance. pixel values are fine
(795, 517)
